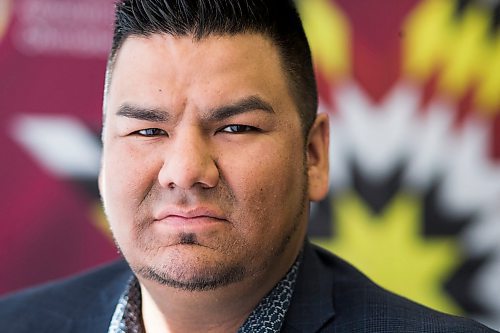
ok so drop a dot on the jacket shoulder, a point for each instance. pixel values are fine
(363, 306)
(57, 304)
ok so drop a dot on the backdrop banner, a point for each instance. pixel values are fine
(412, 88)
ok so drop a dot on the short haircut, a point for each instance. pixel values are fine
(277, 20)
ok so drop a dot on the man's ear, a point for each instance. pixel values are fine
(317, 157)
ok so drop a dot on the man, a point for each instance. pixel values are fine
(212, 153)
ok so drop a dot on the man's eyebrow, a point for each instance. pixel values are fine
(142, 113)
(247, 104)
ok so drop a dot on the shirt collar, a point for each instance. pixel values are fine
(267, 317)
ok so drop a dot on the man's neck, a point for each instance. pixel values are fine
(221, 310)
(194, 313)
(224, 309)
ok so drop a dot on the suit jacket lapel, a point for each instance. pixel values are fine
(97, 308)
(312, 301)
(91, 310)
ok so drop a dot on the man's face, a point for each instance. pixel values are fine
(205, 171)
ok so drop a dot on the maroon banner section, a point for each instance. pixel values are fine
(52, 62)
(411, 87)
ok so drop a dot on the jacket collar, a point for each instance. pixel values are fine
(96, 312)
(312, 301)
(311, 307)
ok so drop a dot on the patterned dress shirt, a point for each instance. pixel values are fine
(267, 317)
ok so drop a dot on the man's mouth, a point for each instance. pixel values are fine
(191, 213)
(190, 220)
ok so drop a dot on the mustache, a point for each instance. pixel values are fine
(220, 196)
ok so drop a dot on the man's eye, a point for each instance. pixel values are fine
(238, 129)
(151, 132)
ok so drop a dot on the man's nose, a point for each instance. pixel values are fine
(188, 163)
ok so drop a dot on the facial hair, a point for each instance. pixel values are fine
(208, 275)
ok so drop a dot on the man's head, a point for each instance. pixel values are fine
(206, 180)
(277, 20)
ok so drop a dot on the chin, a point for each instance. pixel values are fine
(192, 273)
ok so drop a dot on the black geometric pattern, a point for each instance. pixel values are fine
(436, 222)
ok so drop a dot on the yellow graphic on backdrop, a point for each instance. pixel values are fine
(488, 92)
(4, 16)
(329, 36)
(424, 33)
(462, 48)
(391, 250)
(99, 220)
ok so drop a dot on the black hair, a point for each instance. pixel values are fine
(276, 19)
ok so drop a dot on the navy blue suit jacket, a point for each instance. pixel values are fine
(330, 296)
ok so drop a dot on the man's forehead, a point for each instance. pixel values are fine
(216, 50)
(214, 46)
(212, 42)
(160, 56)
(229, 67)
